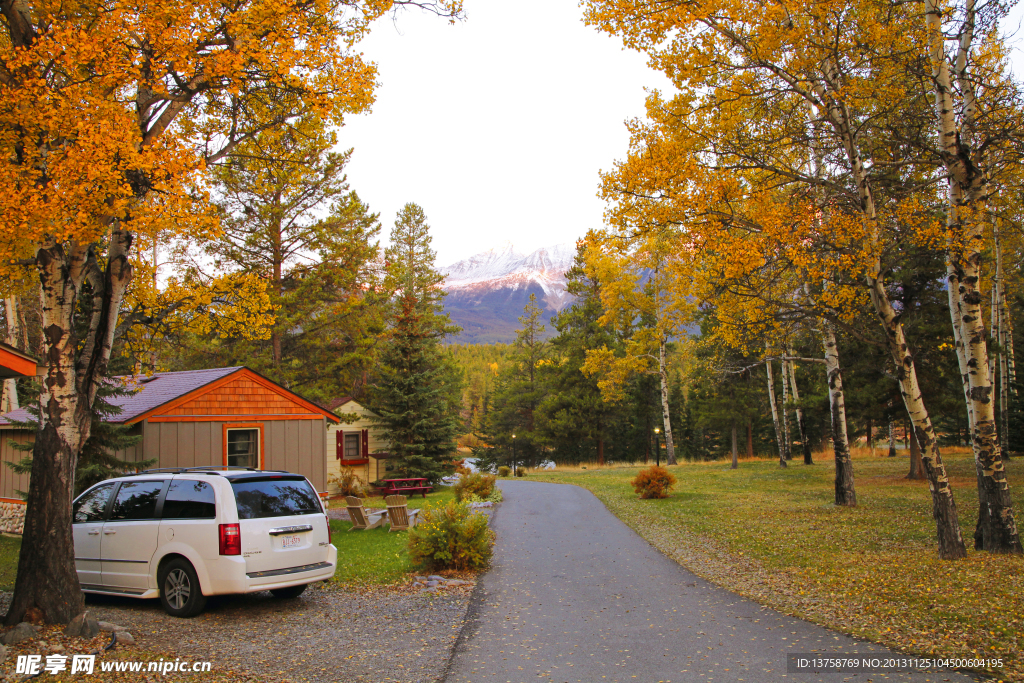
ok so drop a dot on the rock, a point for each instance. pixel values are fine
(457, 582)
(21, 632)
(109, 627)
(124, 638)
(435, 577)
(432, 589)
(431, 584)
(82, 626)
(56, 647)
(3, 654)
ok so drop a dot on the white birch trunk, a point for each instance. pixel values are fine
(966, 168)
(787, 440)
(670, 449)
(775, 414)
(801, 427)
(845, 493)
(9, 399)
(892, 439)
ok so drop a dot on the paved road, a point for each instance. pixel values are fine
(575, 595)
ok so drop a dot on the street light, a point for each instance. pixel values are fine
(657, 447)
(513, 455)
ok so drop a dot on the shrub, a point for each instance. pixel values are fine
(451, 537)
(654, 482)
(520, 472)
(348, 482)
(504, 471)
(477, 483)
(495, 497)
(459, 467)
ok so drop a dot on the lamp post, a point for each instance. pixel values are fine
(513, 455)
(657, 447)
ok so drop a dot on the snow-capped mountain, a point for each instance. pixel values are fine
(487, 292)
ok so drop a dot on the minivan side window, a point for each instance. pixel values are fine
(275, 498)
(190, 499)
(136, 500)
(92, 506)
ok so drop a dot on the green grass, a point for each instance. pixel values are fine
(9, 550)
(377, 556)
(775, 535)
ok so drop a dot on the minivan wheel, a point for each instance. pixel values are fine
(289, 592)
(179, 589)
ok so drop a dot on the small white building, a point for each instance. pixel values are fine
(357, 444)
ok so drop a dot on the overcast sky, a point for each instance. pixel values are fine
(499, 125)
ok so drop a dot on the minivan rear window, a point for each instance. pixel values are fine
(275, 498)
(190, 499)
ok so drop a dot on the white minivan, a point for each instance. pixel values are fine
(185, 534)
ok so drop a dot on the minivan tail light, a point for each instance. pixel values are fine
(328, 528)
(230, 539)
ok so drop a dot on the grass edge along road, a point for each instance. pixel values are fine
(774, 535)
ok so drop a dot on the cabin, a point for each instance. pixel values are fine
(201, 418)
(356, 443)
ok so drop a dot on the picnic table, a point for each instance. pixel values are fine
(403, 487)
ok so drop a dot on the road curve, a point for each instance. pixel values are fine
(575, 595)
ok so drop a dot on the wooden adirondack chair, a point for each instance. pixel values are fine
(361, 518)
(402, 518)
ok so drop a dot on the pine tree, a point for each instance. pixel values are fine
(418, 389)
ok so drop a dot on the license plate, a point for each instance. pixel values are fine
(290, 541)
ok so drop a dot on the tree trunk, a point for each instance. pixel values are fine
(750, 439)
(870, 437)
(950, 540)
(844, 489)
(600, 450)
(9, 399)
(775, 414)
(892, 438)
(1003, 340)
(735, 449)
(74, 369)
(968, 188)
(785, 410)
(663, 373)
(808, 460)
(915, 458)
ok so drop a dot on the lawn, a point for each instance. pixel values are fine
(377, 556)
(775, 536)
(9, 549)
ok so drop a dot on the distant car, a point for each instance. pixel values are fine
(185, 534)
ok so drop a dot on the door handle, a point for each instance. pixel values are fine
(109, 533)
(94, 533)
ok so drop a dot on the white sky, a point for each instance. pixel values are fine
(498, 126)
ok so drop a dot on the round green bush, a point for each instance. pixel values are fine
(451, 537)
(504, 471)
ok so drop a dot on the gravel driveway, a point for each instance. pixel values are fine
(324, 636)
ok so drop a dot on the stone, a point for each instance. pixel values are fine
(56, 647)
(3, 654)
(435, 577)
(109, 627)
(457, 582)
(83, 626)
(124, 638)
(22, 631)
(431, 584)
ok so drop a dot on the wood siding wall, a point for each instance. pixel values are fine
(368, 471)
(292, 445)
(242, 396)
(10, 482)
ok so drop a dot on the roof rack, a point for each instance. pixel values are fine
(214, 469)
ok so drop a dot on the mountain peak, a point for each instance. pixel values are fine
(487, 291)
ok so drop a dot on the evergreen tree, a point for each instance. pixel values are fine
(418, 388)
(519, 390)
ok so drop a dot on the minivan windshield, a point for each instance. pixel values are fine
(275, 498)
